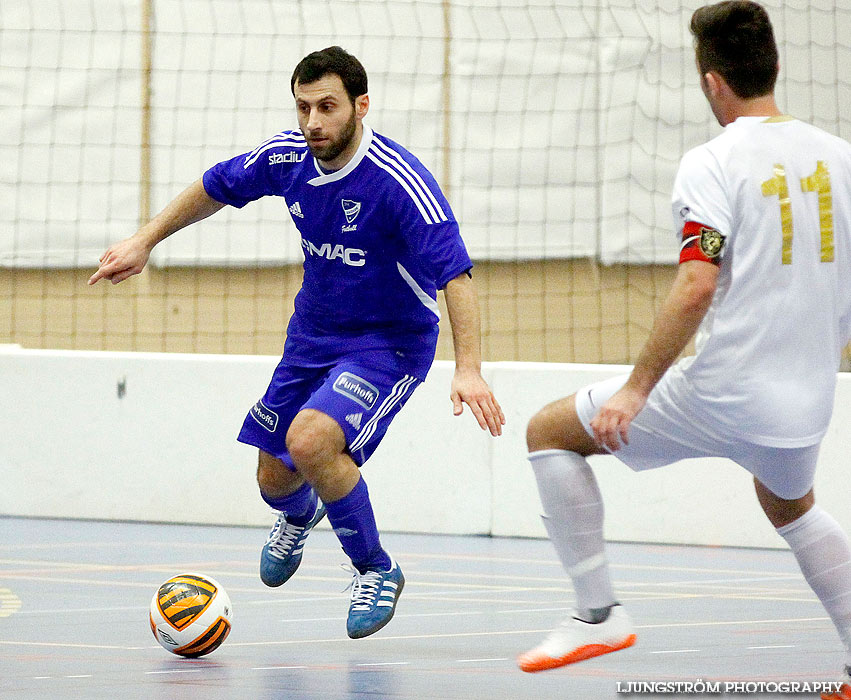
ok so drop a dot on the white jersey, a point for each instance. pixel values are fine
(769, 348)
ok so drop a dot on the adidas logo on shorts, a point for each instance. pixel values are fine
(354, 419)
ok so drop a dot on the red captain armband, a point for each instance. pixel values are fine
(702, 243)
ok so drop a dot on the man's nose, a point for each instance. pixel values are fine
(313, 120)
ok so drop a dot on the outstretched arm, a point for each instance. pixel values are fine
(468, 385)
(677, 321)
(128, 257)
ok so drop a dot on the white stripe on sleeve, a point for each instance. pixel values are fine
(395, 174)
(419, 184)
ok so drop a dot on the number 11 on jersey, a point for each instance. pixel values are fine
(818, 182)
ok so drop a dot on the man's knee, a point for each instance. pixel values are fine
(539, 431)
(781, 511)
(313, 440)
(274, 478)
(557, 427)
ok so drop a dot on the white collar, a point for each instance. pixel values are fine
(325, 178)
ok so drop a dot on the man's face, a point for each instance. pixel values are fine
(327, 118)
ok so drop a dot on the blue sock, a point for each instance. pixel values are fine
(354, 524)
(299, 506)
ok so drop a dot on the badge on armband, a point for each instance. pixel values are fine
(702, 242)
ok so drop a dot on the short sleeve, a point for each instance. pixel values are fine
(699, 194)
(258, 173)
(430, 230)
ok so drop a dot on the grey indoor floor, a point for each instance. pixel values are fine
(74, 599)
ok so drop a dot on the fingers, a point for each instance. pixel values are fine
(120, 261)
(123, 275)
(611, 430)
(486, 410)
(457, 405)
(623, 431)
(491, 416)
(479, 414)
(499, 410)
(106, 271)
(498, 416)
(99, 275)
(115, 268)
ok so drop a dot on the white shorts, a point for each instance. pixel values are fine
(664, 433)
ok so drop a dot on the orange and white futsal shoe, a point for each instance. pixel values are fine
(576, 640)
(844, 693)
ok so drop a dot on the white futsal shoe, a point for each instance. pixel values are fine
(843, 692)
(576, 640)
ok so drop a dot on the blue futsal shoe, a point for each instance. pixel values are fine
(281, 554)
(374, 597)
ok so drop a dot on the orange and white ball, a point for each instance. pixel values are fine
(191, 615)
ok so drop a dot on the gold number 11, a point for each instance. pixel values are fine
(818, 182)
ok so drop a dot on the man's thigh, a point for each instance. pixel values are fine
(788, 472)
(363, 399)
(267, 422)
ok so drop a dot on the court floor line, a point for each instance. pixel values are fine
(792, 577)
(336, 579)
(45, 568)
(172, 545)
(300, 596)
(437, 635)
(297, 599)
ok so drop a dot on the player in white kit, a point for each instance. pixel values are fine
(763, 215)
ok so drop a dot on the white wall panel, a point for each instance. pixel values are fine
(75, 446)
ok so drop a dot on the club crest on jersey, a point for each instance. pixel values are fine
(351, 210)
(711, 242)
(357, 389)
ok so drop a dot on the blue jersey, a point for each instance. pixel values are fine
(378, 237)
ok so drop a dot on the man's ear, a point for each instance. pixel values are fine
(361, 106)
(715, 84)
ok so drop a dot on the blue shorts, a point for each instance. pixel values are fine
(362, 398)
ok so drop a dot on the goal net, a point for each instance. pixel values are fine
(555, 127)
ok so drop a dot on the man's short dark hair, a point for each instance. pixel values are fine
(735, 39)
(336, 61)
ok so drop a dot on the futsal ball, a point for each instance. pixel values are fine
(190, 615)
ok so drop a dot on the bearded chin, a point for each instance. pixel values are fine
(335, 148)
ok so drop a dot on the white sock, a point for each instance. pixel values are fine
(824, 555)
(573, 516)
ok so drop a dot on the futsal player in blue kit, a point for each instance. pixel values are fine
(379, 239)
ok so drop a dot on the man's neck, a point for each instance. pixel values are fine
(763, 106)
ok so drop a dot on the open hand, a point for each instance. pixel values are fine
(468, 386)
